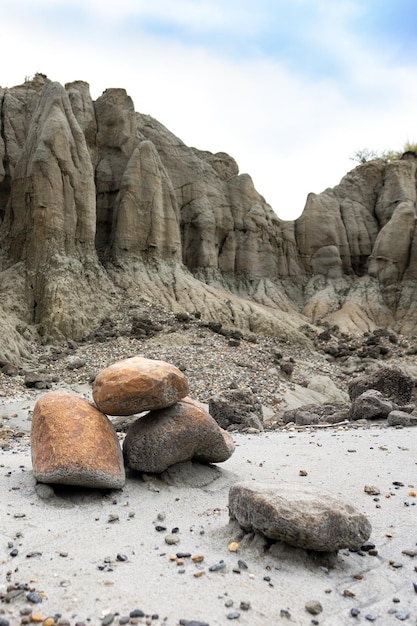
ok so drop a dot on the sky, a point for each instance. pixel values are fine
(292, 89)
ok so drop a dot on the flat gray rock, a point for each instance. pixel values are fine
(299, 516)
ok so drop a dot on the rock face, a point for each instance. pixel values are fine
(73, 443)
(96, 198)
(138, 384)
(182, 432)
(299, 516)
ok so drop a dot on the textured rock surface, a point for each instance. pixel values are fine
(390, 381)
(72, 443)
(299, 516)
(236, 407)
(182, 432)
(96, 198)
(370, 404)
(138, 384)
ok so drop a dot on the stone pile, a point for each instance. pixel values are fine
(384, 394)
(73, 442)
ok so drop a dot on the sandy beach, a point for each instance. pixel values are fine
(93, 557)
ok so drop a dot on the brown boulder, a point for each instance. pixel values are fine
(73, 443)
(182, 432)
(138, 384)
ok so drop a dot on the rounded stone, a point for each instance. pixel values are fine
(137, 384)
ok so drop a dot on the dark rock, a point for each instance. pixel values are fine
(236, 406)
(391, 382)
(317, 413)
(370, 404)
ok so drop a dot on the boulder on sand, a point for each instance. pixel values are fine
(299, 516)
(137, 384)
(73, 443)
(182, 432)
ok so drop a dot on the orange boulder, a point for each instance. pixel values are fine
(138, 384)
(73, 443)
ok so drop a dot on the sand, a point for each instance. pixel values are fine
(94, 554)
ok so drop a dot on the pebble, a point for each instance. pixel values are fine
(4, 622)
(228, 603)
(233, 547)
(313, 607)
(121, 557)
(285, 613)
(125, 619)
(172, 539)
(217, 566)
(244, 606)
(402, 615)
(242, 564)
(354, 612)
(415, 587)
(108, 619)
(34, 597)
(37, 617)
(192, 622)
(137, 613)
(233, 615)
(370, 617)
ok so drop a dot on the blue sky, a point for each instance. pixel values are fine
(290, 88)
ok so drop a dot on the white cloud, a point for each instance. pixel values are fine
(292, 132)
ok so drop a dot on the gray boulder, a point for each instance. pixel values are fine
(390, 381)
(401, 418)
(371, 405)
(299, 516)
(317, 413)
(182, 432)
(236, 407)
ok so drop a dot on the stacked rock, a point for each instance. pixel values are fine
(175, 429)
(73, 442)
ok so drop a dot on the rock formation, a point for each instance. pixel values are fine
(96, 198)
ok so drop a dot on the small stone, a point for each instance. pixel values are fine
(50, 621)
(37, 617)
(228, 603)
(314, 607)
(371, 490)
(121, 557)
(217, 566)
(124, 619)
(172, 539)
(233, 615)
(197, 558)
(415, 587)
(14, 552)
(233, 547)
(108, 619)
(244, 606)
(402, 615)
(354, 612)
(192, 622)
(160, 528)
(4, 622)
(285, 613)
(34, 597)
(113, 517)
(302, 473)
(370, 617)
(242, 564)
(137, 613)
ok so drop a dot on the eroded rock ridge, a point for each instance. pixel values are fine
(96, 198)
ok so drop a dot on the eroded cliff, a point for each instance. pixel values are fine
(95, 198)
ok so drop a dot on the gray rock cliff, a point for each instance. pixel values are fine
(96, 198)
